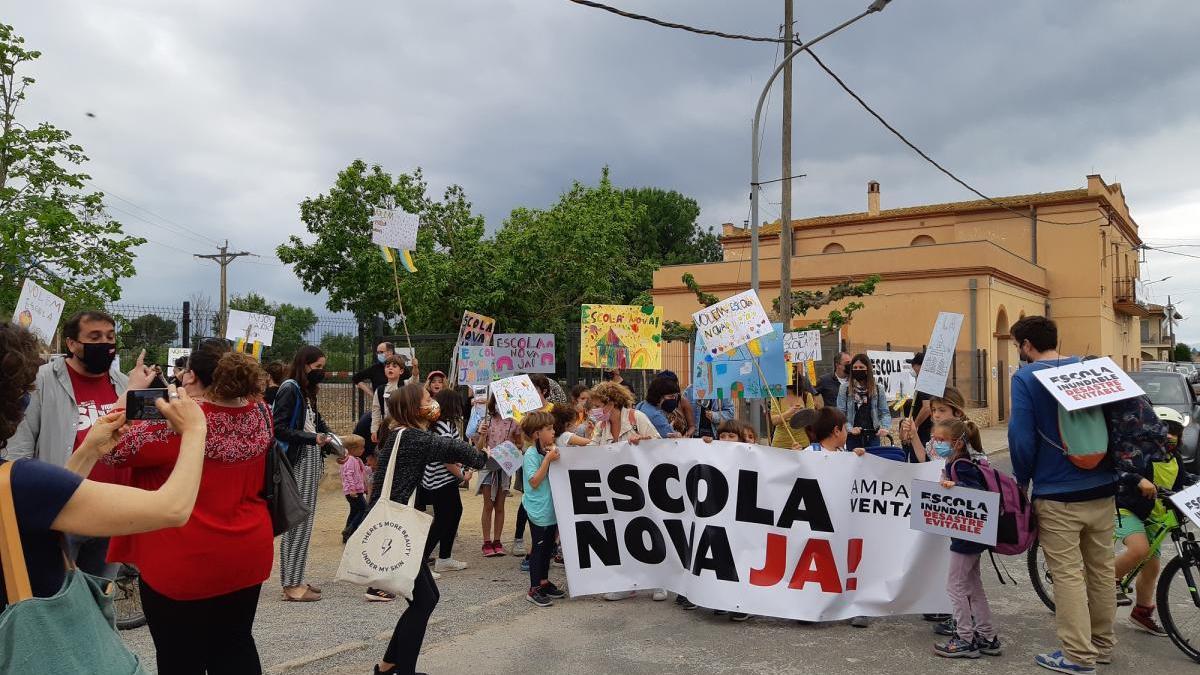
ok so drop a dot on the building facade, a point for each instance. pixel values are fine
(1071, 255)
(1158, 344)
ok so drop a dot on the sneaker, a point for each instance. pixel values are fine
(860, 622)
(957, 648)
(934, 618)
(1123, 599)
(948, 628)
(488, 550)
(553, 592)
(738, 616)
(536, 597)
(448, 565)
(1142, 618)
(612, 597)
(378, 595)
(686, 604)
(1060, 664)
(989, 647)
(525, 564)
(519, 547)
(498, 548)
(659, 595)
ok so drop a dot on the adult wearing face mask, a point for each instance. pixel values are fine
(829, 383)
(299, 426)
(70, 394)
(865, 405)
(662, 399)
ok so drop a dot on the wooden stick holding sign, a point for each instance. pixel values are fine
(400, 304)
(755, 348)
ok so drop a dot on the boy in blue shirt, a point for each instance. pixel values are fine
(538, 427)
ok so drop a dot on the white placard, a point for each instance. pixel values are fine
(817, 536)
(250, 327)
(174, 353)
(802, 346)
(38, 310)
(893, 372)
(524, 352)
(1087, 384)
(516, 395)
(1188, 501)
(395, 228)
(508, 457)
(959, 512)
(939, 355)
(732, 322)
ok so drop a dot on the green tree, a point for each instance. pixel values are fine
(292, 323)
(341, 351)
(54, 232)
(667, 231)
(1183, 352)
(150, 332)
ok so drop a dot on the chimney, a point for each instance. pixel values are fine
(873, 198)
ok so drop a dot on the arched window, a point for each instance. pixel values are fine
(834, 248)
(923, 240)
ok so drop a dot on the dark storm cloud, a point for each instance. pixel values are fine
(224, 116)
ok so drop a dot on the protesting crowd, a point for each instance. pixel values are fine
(194, 492)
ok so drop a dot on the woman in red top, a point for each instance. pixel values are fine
(200, 582)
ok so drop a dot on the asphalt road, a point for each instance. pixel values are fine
(483, 624)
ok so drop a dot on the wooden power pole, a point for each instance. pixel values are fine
(785, 208)
(223, 259)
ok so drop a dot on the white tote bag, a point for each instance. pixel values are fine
(386, 550)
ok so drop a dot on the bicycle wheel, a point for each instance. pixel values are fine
(1039, 574)
(127, 600)
(1177, 605)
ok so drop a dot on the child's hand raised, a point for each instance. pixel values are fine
(552, 454)
(947, 484)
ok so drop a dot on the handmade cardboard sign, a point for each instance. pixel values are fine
(939, 355)
(731, 322)
(174, 353)
(959, 512)
(38, 311)
(508, 457)
(524, 353)
(515, 396)
(1188, 501)
(802, 346)
(476, 364)
(1089, 383)
(627, 337)
(734, 375)
(394, 228)
(893, 372)
(250, 327)
(476, 329)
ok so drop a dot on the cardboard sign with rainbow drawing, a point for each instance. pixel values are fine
(515, 396)
(732, 375)
(523, 353)
(627, 337)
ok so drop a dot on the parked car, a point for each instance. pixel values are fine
(1172, 390)
(1157, 366)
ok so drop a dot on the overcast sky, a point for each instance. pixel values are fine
(221, 116)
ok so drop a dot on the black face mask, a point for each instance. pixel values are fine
(861, 375)
(669, 405)
(98, 357)
(316, 376)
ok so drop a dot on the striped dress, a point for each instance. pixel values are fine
(436, 474)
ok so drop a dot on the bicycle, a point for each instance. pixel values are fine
(127, 598)
(1176, 593)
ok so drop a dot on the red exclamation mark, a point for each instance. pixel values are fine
(853, 558)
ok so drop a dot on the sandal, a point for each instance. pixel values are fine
(314, 589)
(308, 596)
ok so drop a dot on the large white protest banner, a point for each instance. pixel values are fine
(1089, 383)
(250, 327)
(394, 228)
(802, 346)
(524, 353)
(732, 322)
(959, 512)
(893, 372)
(800, 535)
(939, 355)
(38, 310)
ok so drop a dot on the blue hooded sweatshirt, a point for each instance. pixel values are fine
(1034, 414)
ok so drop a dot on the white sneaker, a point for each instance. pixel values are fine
(435, 575)
(519, 547)
(448, 565)
(619, 596)
(659, 595)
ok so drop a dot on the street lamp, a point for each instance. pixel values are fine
(876, 6)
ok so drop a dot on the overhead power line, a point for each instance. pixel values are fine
(752, 38)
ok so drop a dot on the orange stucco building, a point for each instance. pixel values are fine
(1071, 255)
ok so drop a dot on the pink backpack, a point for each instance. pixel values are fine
(1017, 525)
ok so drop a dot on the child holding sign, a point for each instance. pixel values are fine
(538, 427)
(975, 634)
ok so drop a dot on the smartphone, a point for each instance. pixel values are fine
(139, 404)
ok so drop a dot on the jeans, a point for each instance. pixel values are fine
(358, 511)
(1077, 538)
(964, 585)
(406, 641)
(212, 635)
(447, 512)
(541, 552)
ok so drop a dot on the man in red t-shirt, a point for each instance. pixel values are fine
(69, 394)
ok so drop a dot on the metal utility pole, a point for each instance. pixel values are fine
(1171, 325)
(785, 207)
(223, 259)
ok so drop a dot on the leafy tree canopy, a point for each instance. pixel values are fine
(292, 323)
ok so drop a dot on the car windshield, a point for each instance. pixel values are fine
(1164, 389)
